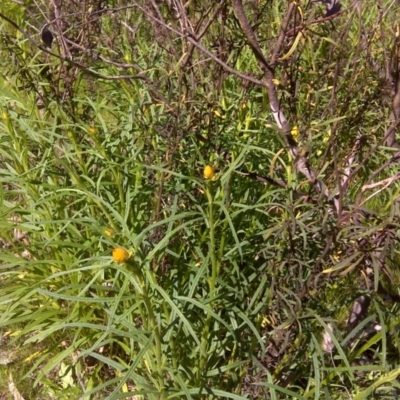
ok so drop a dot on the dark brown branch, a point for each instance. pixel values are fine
(205, 51)
(300, 161)
(82, 67)
(395, 114)
(282, 35)
(203, 31)
(224, 65)
(298, 28)
(251, 37)
(262, 178)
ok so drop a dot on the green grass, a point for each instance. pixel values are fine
(231, 281)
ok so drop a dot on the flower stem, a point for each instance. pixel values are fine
(212, 280)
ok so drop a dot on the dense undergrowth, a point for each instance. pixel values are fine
(226, 284)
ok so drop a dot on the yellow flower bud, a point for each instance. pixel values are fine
(295, 132)
(120, 255)
(208, 172)
(109, 232)
(92, 130)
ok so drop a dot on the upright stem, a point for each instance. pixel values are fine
(153, 326)
(211, 280)
(214, 263)
(157, 337)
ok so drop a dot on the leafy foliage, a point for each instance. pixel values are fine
(224, 285)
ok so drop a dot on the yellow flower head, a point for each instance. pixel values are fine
(208, 172)
(109, 232)
(276, 82)
(120, 255)
(295, 132)
(92, 130)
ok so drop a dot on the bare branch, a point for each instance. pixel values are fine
(301, 161)
(282, 35)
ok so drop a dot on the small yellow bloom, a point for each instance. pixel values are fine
(265, 322)
(208, 172)
(109, 232)
(295, 132)
(120, 255)
(327, 136)
(92, 130)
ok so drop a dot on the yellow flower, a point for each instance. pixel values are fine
(109, 232)
(295, 132)
(120, 255)
(92, 130)
(208, 172)
(276, 82)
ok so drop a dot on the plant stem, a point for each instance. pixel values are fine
(154, 327)
(211, 280)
